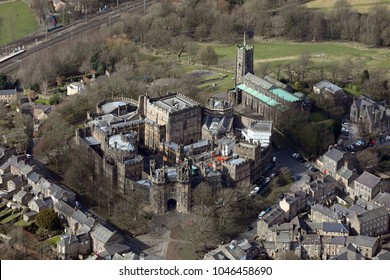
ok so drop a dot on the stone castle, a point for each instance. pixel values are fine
(163, 143)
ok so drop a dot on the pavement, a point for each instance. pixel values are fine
(159, 238)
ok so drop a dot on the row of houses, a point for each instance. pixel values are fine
(84, 236)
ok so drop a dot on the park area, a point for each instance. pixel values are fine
(358, 5)
(276, 51)
(16, 21)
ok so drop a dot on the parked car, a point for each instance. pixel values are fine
(262, 213)
(268, 210)
(295, 155)
(360, 143)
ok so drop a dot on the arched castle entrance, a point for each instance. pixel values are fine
(171, 204)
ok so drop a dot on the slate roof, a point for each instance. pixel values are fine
(335, 227)
(26, 169)
(64, 208)
(362, 240)
(382, 198)
(311, 239)
(236, 252)
(41, 203)
(368, 180)
(345, 172)
(83, 218)
(55, 191)
(33, 176)
(328, 86)
(20, 194)
(334, 154)
(112, 249)
(219, 255)
(373, 214)
(382, 256)
(102, 233)
(258, 81)
(348, 253)
(8, 91)
(325, 211)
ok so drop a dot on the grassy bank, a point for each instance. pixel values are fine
(17, 20)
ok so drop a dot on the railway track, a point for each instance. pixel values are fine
(65, 35)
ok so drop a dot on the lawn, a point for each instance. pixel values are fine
(279, 49)
(52, 241)
(358, 5)
(22, 223)
(17, 21)
(5, 213)
(11, 217)
(275, 51)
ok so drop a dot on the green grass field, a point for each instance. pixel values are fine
(17, 20)
(358, 5)
(281, 51)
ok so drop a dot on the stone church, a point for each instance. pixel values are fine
(257, 95)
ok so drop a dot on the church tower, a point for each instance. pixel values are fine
(244, 61)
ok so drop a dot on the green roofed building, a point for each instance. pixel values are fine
(264, 97)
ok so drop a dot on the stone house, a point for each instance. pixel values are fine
(382, 199)
(65, 212)
(29, 216)
(235, 250)
(331, 245)
(32, 178)
(41, 186)
(9, 95)
(274, 217)
(16, 183)
(75, 88)
(293, 204)
(103, 237)
(73, 246)
(366, 186)
(329, 90)
(349, 252)
(365, 245)
(332, 162)
(374, 117)
(311, 247)
(41, 112)
(373, 222)
(80, 222)
(40, 204)
(22, 197)
(320, 191)
(334, 229)
(320, 214)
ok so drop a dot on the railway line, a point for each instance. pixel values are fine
(63, 36)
